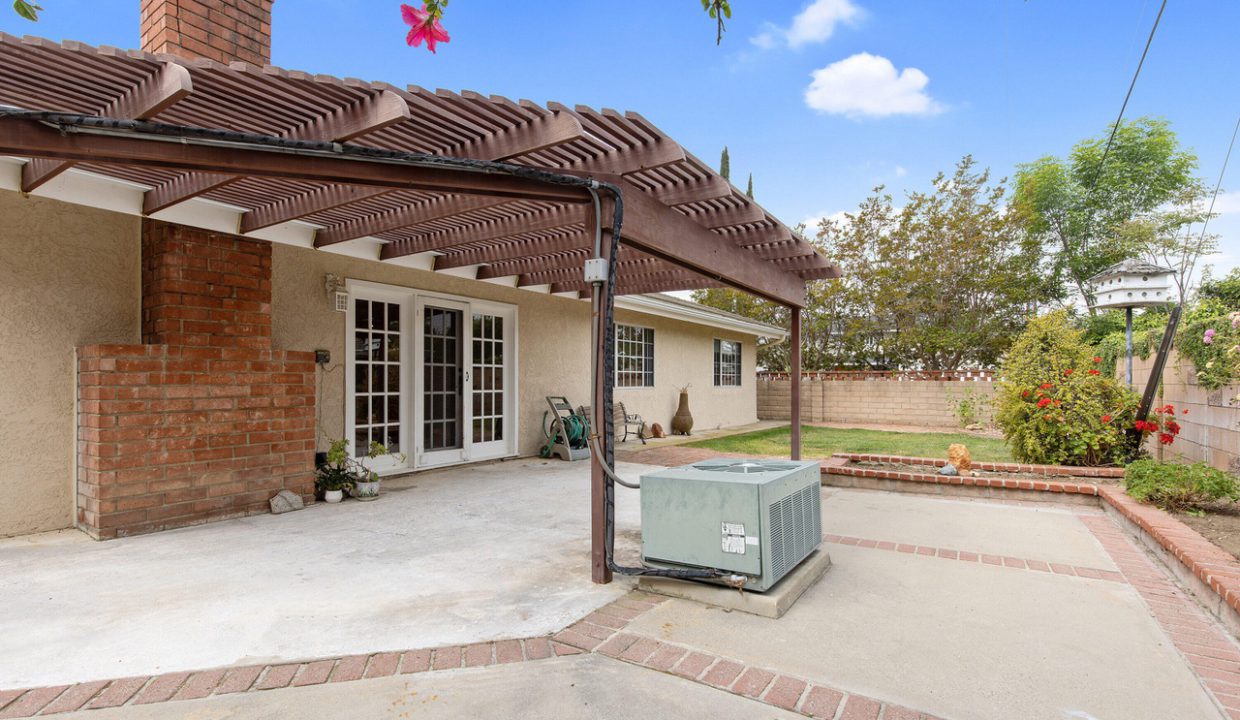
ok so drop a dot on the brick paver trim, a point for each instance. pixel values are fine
(975, 557)
(933, 478)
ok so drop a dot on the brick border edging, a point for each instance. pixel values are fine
(1029, 469)
(601, 631)
(1212, 656)
(1053, 486)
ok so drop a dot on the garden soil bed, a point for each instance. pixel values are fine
(1220, 525)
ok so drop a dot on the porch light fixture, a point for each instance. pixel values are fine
(333, 285)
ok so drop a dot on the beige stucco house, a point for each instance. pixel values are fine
(180, 336)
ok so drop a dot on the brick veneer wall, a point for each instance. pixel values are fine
(205, 421)
(870, 399)
(221, 30)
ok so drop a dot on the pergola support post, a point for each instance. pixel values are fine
(794, 351)
(600, 573)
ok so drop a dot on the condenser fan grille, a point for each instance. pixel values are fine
(746, 467)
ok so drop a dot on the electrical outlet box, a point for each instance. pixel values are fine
(322, 357)
(596, 270)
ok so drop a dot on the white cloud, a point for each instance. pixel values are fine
(866, 85)
(901, 171)
(1227, 203)
(814, 24)
(811, 222)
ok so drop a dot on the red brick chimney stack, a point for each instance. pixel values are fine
(221, 30)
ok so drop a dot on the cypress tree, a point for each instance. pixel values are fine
(749, 190)
(725, 165)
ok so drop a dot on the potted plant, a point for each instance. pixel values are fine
(342, 472)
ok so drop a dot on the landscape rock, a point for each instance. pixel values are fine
(286, 501)
(948, 469)
(975, 427)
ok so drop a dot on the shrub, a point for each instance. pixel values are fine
(1055, 406)
(1174, 487)
(1213, 358)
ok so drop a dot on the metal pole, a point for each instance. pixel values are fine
(795, 352)
(1128, 341)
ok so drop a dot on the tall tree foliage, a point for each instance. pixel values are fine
(1084, 210)
(725, 164)
(749, 189)
(944, 282)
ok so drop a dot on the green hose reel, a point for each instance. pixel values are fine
(567, 432)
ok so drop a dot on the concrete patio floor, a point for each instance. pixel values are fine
(934, 608)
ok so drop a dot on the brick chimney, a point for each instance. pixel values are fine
(221, 30)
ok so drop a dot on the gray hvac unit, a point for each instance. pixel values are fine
(757, 518)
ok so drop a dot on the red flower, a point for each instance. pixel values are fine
(423, 27)
(1094, 372)
(1067, 372)
(1058, 403)
(1025, 394)
(1185, 411)
(1173, 427)
(1106, 418)
(1097, 359)
(1047, 386)
(1144, 426)
(1044, 402)
(1166, 438)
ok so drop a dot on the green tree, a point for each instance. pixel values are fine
(725, 164)
(749, 190)
(1078, 207)
(944, 282)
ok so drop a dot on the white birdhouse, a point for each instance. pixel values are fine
(1130, 284)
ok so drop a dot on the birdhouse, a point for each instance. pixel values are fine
(1130, 284)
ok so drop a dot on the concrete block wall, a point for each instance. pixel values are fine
(1210, 431)
(925, 399)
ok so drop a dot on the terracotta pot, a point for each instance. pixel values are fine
(682, 423)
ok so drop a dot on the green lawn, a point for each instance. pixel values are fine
(820, 442)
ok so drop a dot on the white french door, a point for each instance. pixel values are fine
(431, 377)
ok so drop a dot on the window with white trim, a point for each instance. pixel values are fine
(634, 356)
(727, 363)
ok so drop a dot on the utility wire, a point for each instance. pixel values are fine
(1219, 184)
(1133, 84)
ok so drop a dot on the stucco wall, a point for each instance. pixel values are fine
(69, 276)
(553, 344)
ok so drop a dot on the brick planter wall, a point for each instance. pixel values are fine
(207, 421)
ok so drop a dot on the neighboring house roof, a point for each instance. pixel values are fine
(1131, 266)
(685, 226)
(689, 311)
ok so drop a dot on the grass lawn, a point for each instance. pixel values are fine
(820, 442)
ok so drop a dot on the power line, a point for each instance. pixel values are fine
(1133, 84)
(1219, 184)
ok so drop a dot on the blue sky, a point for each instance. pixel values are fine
(904, 89)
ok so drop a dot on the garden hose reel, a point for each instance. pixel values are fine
(567, 431)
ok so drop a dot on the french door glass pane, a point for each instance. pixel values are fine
(442, 378)
(377, 357)
(488, 391)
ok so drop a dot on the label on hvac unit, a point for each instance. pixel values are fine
(734, 538)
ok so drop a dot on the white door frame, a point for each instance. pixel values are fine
(402, 460)
(434, 458)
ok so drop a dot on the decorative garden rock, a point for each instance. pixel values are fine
(682, 422)
(656, 431)
(948, 469)
(958, 455)
(286, 501)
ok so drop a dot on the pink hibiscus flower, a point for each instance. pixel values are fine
(423, 27)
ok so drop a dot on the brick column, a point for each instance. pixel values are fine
(203, 421)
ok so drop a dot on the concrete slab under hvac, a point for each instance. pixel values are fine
(771, 604)
(460, 555)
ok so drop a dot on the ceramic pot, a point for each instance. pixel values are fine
(682, 422)
(365, 490)
(333, 496)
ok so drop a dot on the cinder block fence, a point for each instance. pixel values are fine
(925, 398)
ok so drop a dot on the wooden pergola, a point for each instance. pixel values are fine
(685, 227)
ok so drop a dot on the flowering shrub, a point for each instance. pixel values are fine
(1179, 487)
(1162, 422)
(1052, 409)
(1209, 339)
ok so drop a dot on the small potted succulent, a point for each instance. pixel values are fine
(342, 472)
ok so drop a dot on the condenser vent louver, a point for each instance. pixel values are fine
(758, 518)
